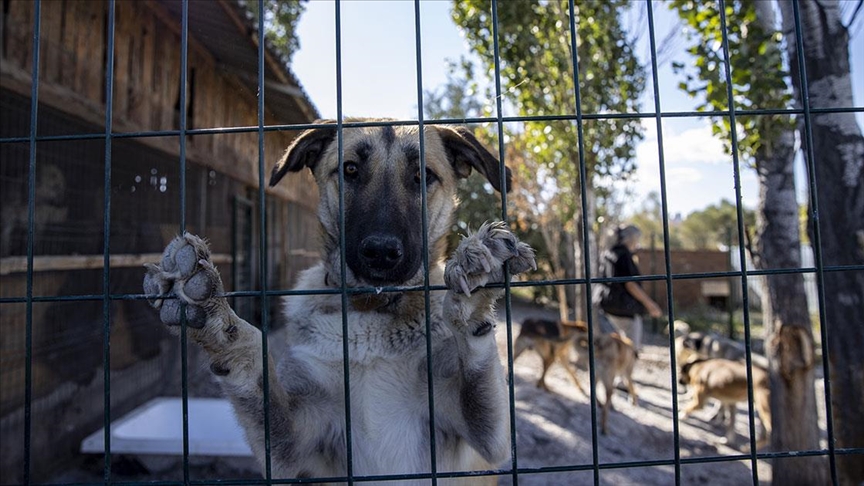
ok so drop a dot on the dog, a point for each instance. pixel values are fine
(725, 380)
(385, 334)
(683, 354)
(712, 345)
(614, 356)
(553, 341)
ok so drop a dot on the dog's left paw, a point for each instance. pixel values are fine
(480, 258)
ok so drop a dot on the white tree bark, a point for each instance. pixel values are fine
(838, 150)
(788, 330)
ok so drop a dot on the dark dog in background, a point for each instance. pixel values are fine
(712, 345)
(552, 340)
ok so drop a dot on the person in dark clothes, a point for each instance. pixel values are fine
(621, 304)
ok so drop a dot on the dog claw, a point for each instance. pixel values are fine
(464, 284)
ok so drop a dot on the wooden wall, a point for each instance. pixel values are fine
(146, 83)
(687, 293)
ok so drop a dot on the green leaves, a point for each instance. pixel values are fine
(280, 23)
(537, 71)
(758, 73)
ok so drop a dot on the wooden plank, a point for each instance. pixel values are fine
(81, 48)
(57, 263)
(69, 41)
(21, 41)
(49, 54)
(132, 32)
(124, 14)
(172, 24)
(145, 83)
(93, 57)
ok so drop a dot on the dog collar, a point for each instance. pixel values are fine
(369, 302)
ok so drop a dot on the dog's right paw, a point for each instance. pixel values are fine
(479, 258)
(186, 274)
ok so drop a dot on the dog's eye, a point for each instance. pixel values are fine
(350, 169)
(430, 177)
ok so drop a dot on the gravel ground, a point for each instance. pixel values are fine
(553, 430)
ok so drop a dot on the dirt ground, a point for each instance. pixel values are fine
(553, 430)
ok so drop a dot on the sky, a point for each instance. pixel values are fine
(379, 79)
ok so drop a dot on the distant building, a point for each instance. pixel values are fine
(689, 293)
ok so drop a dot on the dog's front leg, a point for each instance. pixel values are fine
(469, 312)
(233, 345)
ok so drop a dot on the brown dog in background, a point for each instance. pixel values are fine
(726, 381)
(615, 356)
(552, 340)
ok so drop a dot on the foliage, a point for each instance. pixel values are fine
(454, 100)
(536, 65)
(280, 23)
(758, 73)
(714, 227)
(711, 228)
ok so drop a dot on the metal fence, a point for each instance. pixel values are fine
(511, 470)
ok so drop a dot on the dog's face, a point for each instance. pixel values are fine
(694, 341)
(684, 375)
(383, 194)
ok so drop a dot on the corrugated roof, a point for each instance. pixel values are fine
(229, 32)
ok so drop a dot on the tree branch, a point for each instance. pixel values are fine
(855, 14)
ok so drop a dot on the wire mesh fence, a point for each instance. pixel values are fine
(182, 197)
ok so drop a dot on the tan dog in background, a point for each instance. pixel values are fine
(726, 381)
(615, 357)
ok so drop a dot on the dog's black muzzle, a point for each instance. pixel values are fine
(383, 259)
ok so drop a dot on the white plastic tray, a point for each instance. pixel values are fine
(156, 427)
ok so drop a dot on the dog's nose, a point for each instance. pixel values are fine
(381, 252)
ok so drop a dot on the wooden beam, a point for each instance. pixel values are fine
(58, 263)
(68, 101)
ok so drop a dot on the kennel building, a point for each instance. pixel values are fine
(148, 109)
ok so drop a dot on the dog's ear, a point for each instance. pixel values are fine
(466, 152)
(304, 151)
(699, 342)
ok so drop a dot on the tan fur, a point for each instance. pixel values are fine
(726, 381)
(615, 357)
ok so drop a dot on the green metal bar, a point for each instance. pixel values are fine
(736, 168)
(499, 121)
(106, 235)
(262, 247)
(31, 242)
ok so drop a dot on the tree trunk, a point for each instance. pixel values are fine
(788, 330)
(579, 303)
(838, 148)
(552, 232)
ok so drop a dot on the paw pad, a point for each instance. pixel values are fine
(186, 274)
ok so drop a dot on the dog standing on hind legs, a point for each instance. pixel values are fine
(386, 332)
